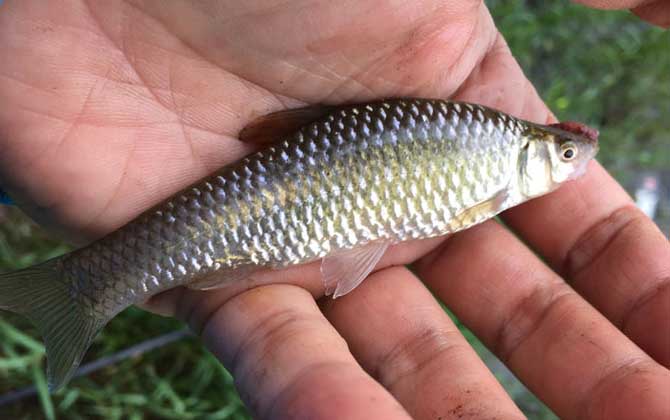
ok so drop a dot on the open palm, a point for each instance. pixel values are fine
(106, 108)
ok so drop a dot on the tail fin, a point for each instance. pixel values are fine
(66, 326)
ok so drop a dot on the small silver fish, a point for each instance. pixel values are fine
(341, 184)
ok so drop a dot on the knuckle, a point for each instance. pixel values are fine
(621, 383)
(414, 354)
(268, 333)
(292, 401)
(621, 247)
(662, 287)
(255, 359)
(600, 237)
(528, 315)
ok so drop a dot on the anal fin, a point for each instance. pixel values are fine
(343, 271)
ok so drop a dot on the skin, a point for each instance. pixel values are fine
(107, 108)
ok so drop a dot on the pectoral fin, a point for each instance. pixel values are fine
(269, 128)
(483, 210)
(343, 271)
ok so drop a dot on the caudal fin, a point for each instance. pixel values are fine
(66, 326)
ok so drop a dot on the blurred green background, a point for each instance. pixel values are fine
(607, 69)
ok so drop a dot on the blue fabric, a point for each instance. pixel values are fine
(4, 198)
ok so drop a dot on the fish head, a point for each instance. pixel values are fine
(554, 154)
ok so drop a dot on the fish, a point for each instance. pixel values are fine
(338, 184)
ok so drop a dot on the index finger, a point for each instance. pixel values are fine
(590, 232)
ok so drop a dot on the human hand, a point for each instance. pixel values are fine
(113, 107)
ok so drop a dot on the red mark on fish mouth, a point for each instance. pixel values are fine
(578, 128)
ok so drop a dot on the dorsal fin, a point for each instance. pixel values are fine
(271, 127)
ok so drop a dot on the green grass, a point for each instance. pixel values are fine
(604, 68)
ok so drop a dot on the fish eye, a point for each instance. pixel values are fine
(568, 151)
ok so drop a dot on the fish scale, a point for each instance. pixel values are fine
(235, 212)
(361, 175)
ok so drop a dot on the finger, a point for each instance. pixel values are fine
(613, 255)
(612, 4)
(401, 335)
(287, 360)
(562, 348)
(656, 12)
